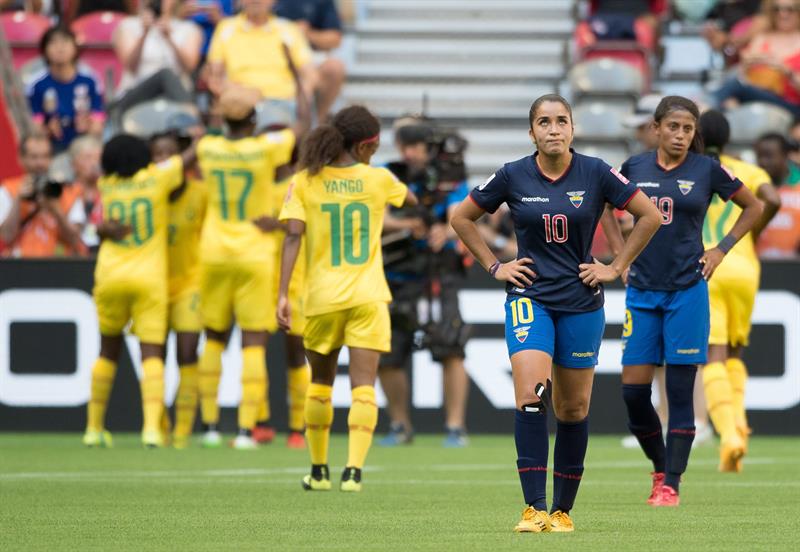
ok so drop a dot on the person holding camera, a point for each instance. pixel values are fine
(423, 262)
(38, 217)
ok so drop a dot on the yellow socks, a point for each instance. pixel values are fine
(208, 379)
(152, 393)
(297, 380)
(103, 373)
(186, 401)
(719, 398)
(362, 420)
(318, 417)
(737, 376)
(254, 382)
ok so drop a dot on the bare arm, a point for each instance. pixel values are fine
(771, 200)
(128, 48)
(463, 222)
(216, 77)
(10, 226)
(647, 224)
(751, 212)
(69, 233)
(291, 247)
(612, 230)
(188, 54)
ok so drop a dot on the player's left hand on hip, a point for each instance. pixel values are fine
(710, 261)
(596, 273)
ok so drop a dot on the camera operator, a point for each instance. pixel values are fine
(422, 261)
(39, 217)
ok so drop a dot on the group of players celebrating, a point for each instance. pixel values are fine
(196, 240)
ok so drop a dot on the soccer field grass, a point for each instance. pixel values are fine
(56, 495)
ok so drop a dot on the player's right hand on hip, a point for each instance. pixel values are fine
(517, 272)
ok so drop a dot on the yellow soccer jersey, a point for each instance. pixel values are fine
(142, 201)
(239, 176)
(343, 209)
(722, 215)
(185, 224)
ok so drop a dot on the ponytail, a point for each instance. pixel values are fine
(715, 131)
(320, 148)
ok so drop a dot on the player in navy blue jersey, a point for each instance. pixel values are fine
(554, 314)
(667, 311)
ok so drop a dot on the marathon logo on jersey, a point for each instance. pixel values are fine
(521, 333)
(576, 198)
(619, 175)
(648, 185)
(685, 186)
(535, 199)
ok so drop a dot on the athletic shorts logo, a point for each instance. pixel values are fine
(685, 186)
(587, 354)
(688, 351)
(521, 333)
(576, 198)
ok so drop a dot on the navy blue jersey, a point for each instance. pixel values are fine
(670, 260)
(554, 221)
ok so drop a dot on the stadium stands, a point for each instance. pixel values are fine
(94, 32)
(23, 31)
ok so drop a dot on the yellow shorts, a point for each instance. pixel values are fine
(296, 290)
(731, 300)
(142, 302)
(365, 326)
(240, 291)
(184, 310)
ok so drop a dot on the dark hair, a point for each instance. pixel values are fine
(35, 136)
(240, 125)
(547, 98)
(715, 131)
(52, 33)
(125, 155)
(781, 140)
(668, 104)
(349, 127)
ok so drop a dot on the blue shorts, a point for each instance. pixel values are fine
(669, 326)
(571, 338)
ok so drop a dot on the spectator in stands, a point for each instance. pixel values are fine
(158, 54)
(258, 50)
(781, 238)
(82, 7)
(39, 218)
(625, 20)
(731, 24)
(319, 21)
(770, 68)
(65, 102)
(794, 138)
(85, 153)
(43, 7)
(206, 14)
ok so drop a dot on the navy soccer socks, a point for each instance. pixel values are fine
(680, 391)
(644, 423)
(530, 436)
(572, 438)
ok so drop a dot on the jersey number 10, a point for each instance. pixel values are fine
(343, 235)
(555, 228)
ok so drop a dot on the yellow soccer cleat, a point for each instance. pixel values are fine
(561, 523)
(351, 480)
(533, 521)
(98, 439)
(152, 439)
(318, 480)
(730, 455)
(180, 442)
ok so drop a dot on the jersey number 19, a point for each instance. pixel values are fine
(343, 236)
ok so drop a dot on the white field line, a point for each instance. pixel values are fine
(201, 475)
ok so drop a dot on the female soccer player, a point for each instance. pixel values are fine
(732, 294)
(667, 313)
(554, 314)
(337, 200)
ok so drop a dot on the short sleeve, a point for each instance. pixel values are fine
(216, 49)
(170, 172)
(458, 195)
(624, 170)
(396, 191)
(617, 189)
(299, 48)
(280, 145)
(326, 18)
(294, 205)
(94, 97)
(492, 193)
(723, 181)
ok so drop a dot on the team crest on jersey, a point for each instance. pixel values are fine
(521, 333)
(685, 186)
(576, 198)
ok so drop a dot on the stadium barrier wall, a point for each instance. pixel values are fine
(49, 340)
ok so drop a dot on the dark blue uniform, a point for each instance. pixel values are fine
(554, 222)
(667, 314)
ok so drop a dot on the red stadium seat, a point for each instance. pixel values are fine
(94, 32)
(23, 32)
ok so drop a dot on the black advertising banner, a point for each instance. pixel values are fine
(49, 340)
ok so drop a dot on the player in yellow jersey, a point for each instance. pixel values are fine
(235, 253)
(732, 293)
(338, 201)
(298, 374)
(131, 276)
(186, 212)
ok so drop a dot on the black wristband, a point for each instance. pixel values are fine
(726, 243)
